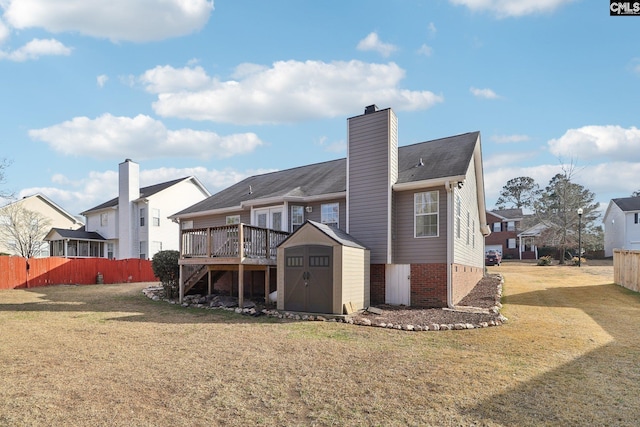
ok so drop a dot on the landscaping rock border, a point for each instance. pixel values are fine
(465, 315)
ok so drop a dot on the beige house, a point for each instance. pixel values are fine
(45, 208)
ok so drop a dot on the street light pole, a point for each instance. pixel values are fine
(579, 237)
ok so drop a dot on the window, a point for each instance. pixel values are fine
(329, 214)
(297, 217)
(143, 250)
(142, 217)
(186, 225)
(497, 227)
(295, 261)
(155, 213)
(318, 261)
(104, 219)
(511, 243)
(110, 250)
(426, 214)
(635, 218)
(458, 213)
(232, 219)
(511, 226)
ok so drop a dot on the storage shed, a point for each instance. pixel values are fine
(321, 269)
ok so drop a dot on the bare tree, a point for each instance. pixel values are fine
(635, 193)
(557, 208)
(4, 164)
(520, 192)
(23, 230)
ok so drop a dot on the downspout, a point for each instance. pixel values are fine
(449, 187)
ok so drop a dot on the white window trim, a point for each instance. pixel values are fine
(436, 213)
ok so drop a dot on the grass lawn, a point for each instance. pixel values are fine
(108, 356)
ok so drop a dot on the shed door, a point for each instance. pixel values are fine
(398, 284)
(308, 279)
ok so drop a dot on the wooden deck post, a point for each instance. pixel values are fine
(240, 285)
(181, 285)
(266, 285)
(209, 282)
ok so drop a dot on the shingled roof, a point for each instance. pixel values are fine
(144, 192)
(628, 204)
(508, 213)
(80, 234)
(441, 158)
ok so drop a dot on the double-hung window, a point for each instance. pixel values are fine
(426, 214)
(156, 217)
(297, 217)
(330, 214)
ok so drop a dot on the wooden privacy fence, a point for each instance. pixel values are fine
(18, 272)
(626, 269)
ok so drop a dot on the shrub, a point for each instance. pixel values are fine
(165, 267)
(545, 260)
(577, 260)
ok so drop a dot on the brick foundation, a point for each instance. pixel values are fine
(377, 284)
(464, 279)
(428, 285)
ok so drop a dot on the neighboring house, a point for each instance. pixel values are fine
(42, 205)
(622, 225)
(505, 225)
(419, 210)
(134, 224)
(527, 241)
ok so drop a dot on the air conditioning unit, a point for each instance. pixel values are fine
(308, 209)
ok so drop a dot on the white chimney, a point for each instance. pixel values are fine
(128, 191)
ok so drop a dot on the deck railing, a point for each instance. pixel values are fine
(224, 242)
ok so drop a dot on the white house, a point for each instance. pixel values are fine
(622, 225)
(134, 224)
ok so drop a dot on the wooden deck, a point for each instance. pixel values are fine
(236, 247)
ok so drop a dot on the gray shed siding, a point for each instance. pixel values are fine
(409, 249)
(372, 170)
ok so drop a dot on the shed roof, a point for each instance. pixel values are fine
(441, 157)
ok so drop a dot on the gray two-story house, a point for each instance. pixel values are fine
(419, 210)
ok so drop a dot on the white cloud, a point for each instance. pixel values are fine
(102, 80)
(77, 196)
(168, 79)
(596, 142)
(483, 93)
(425, 50)
(127, 20)
(35, 49)
(511, 8)
(289, 91)
(497, 161)
(140, 137)
(432, 28)
(372, 42)
(4, 32)
(506, 139)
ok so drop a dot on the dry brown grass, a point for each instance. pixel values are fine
(106, 355)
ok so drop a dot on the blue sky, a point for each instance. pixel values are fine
(229, 89)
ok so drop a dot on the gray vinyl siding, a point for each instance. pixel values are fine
(467, 253)
(372, 169)
(409, 249)
(220, 219)
(614, 229)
